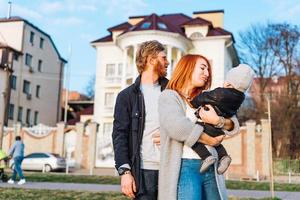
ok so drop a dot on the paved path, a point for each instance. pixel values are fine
(116, 188)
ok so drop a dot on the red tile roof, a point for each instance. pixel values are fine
(176, 19)
(168, 22)
(218, 32)
(122, 26)
(87, 111)
(107, 38)
(197, 21)
(154, 22)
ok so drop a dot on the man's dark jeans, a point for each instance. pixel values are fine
(17, 168)
(151, 185)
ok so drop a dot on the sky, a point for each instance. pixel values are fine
(73, 24)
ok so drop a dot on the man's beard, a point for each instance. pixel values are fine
(160, 69)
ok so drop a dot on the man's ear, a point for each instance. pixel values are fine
(227, 85)
(152, 60)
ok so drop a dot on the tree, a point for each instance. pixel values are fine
(254, 49)
(284, 42)
(273, 50)
(90, 88)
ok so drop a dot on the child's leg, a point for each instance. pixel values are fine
(201, 150)
(221, 151)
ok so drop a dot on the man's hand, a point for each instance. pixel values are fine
(128, 185)
(156, 138)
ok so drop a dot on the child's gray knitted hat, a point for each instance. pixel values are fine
(240, 77)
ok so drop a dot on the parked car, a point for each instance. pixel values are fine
(42, 161)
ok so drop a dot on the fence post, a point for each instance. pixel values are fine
(78, 145)
(92, 146)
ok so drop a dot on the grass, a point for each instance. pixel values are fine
(68, 178)
(114, 180)
(251, 185)
(24, 194)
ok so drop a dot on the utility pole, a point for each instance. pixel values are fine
(270, 148)
(68, 68)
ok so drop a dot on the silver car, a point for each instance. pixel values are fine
(42, 162)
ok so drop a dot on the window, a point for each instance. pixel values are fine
(16, 56)
(110, 70)
(161, 25)
(107, 131)
(37, 155)
(20, 114)
(28, 112)
(42, 43)
(145, 25)
(11, 109)
(28, 60)
(37, 93)
(31, 39)
(196, 35)
(13, 82)
(109, 99)
(26, 87)
(40, 63)
(120, 69)
(36, 115)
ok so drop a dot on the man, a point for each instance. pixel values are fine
(136, 127)
(17, 153)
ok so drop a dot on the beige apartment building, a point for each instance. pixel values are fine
(37, 78)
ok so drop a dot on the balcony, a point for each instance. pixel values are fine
(113, 81)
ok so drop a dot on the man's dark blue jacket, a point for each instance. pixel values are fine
(128, 128)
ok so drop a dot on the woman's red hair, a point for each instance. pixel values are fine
(183, 74)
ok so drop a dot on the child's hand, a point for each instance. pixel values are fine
(209, 115)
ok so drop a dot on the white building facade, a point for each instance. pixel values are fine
(180, 34)
(37, 78)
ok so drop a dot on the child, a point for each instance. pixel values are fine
(226, 101)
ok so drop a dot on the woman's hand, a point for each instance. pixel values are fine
(211, 141)
(209, 115)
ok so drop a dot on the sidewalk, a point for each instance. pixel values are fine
(116, 188)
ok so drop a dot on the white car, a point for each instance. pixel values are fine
(42, 162)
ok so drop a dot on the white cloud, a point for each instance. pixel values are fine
(124, 8)
(87, 37)
(18, 10)
(51, 7)
(284, 9)
(68, 21)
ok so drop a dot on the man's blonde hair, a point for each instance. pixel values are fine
(146, 49)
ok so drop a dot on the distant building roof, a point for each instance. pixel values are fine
(2, 46)
(87, 111)
(208, 11)
(17, 18)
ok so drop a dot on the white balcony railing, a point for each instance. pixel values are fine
(113, 80)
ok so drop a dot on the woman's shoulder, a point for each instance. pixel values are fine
(170, 96)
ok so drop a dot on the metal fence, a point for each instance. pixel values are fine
(285, 166)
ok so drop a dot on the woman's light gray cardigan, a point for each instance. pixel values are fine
(176, 129)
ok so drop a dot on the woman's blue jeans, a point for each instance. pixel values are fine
(193, 185)
(17, 168)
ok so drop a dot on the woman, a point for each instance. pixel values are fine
(179, 176)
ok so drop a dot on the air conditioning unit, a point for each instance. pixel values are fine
(31, 69)
(28, 97)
